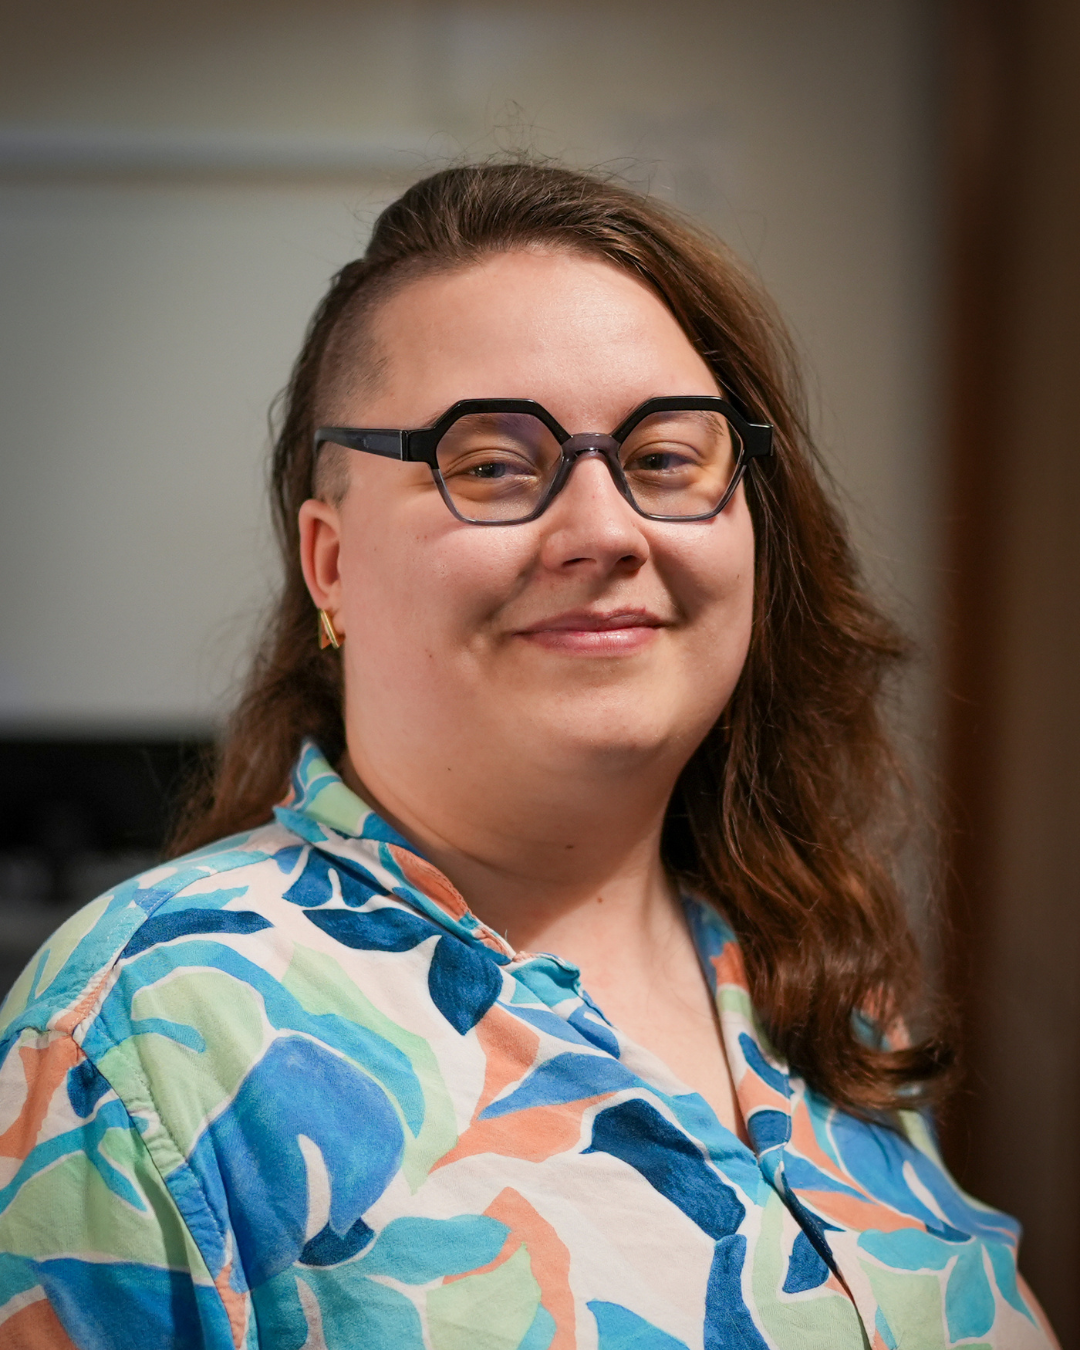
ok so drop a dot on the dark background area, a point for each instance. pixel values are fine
(1011, 720)
(76, 817)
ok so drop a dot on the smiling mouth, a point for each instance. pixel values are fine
(601, 634)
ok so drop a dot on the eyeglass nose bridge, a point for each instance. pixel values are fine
(586, 441)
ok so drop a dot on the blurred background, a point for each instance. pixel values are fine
(179, 182)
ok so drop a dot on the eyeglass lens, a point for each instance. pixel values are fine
(498, 466)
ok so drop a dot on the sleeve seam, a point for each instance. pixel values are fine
(211, 1216)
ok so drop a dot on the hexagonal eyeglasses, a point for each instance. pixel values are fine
(502, 461)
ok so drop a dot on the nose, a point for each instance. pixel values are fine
(590, 525)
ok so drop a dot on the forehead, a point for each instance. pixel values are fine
(579, 334)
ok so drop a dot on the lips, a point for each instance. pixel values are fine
(596, 632)
(589, 621)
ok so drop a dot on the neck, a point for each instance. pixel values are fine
(547, 863)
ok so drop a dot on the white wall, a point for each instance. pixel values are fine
(177, 184)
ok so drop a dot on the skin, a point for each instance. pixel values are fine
(527, 754)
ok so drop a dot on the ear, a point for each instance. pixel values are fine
(320, 555)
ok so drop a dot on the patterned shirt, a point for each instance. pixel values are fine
(288, 1092)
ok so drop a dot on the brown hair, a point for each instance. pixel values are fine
(779, 816)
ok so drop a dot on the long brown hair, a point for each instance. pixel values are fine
(780, 815)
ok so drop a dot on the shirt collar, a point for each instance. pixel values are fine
(323, 810)
(317, 793)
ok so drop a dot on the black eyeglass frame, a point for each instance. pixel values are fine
(421, 446)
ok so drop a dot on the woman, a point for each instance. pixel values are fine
(571, 658)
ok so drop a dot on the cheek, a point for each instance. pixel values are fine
(712, 572)
(419, 585)
(714, 586)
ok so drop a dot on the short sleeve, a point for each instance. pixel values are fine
(94, 1252)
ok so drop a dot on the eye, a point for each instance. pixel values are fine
(658, 460)
(492, 469)
(661, 459)
(479, 468)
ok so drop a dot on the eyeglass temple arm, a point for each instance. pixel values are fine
(389, 444)
(758, 440)
(757, 437)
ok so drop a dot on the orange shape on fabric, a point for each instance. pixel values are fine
(430, 881)
(509, 1047)
(755, 1094)
(549, 1260)
(534, 1134)
(235, 1304)
(548, 1257)
(35, 1327)
(45, 1070)
(729, 967)
(805, 1142)
(420, 873)
(864, 1216)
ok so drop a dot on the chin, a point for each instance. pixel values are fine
(618, 740)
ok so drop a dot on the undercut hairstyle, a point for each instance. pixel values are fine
(785, 816)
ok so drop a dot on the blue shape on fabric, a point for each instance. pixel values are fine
(249, 1162)
(549, 980)
(1003, 1262)
(564, 1078)
(946, 1233)
(374, 1053)
(814, 1226)
(806, 1269)
(85, 1088)
(387, 929)
(908, 1249)
(543, 1019)
(117, 1305)
(328, 1248)
(279, 1314)
(711, 933)
(803, 1175)
(374, 827)
(17, 1274)
(389, 1320)
(287, 858)
(85, 1139)
(463, 982)
(416, 1250)
(620, 1329)
(116, 924)
(593, 1027)
(188, 922)
(768, 1128)
(736, 1159)
(541, 1331)
(728, 1323)
(885, 1331)
(765, 1071)
(670, 1162)
(874, 1156)
(314, 886)
(969, 1300)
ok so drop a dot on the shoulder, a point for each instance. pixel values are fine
(228, 887)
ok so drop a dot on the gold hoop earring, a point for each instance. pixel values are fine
(328, 636)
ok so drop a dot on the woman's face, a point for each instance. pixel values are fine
(590, 638)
